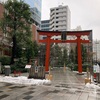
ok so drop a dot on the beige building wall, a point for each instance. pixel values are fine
(96, 50)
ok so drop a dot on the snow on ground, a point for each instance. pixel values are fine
(92, 86)
(78, 72)
(23, 80)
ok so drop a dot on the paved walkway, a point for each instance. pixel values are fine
(66, 85)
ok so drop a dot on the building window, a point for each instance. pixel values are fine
(52, 10)
(56, 17)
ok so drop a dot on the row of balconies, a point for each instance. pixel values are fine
(58, 20)
(58, 11)
(58, 27)
(58, 24)
(58, 16)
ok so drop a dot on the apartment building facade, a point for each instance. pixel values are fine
(60, 18)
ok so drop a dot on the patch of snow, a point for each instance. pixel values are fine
(23, 80)
(92, 86)
(78, 72)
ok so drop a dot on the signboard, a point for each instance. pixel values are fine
(96, 68)
(28, 66)
(7, 66)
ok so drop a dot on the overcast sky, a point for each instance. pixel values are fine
(83, 12)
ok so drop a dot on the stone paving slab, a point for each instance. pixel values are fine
(68, 86)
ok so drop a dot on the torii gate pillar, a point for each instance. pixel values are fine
(47, 54)
(79, 54)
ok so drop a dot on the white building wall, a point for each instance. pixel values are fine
(60, 18)
(96, 50)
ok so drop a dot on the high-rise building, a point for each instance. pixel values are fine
(35, 7)
(60, 18)
(45, 25)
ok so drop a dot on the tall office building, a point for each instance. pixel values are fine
(60, 18)
(35, 7)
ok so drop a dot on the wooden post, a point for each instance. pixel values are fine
(47, 55)
(79, 55)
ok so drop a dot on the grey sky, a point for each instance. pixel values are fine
(83, 12)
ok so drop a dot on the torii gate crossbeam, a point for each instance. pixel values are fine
(48, 41)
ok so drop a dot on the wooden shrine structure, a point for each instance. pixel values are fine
(48, 40)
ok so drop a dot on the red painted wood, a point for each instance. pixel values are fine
(79, 55)
(78, 34)
(47, 55)
(66, 41)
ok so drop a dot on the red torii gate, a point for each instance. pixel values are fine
(48, 40)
